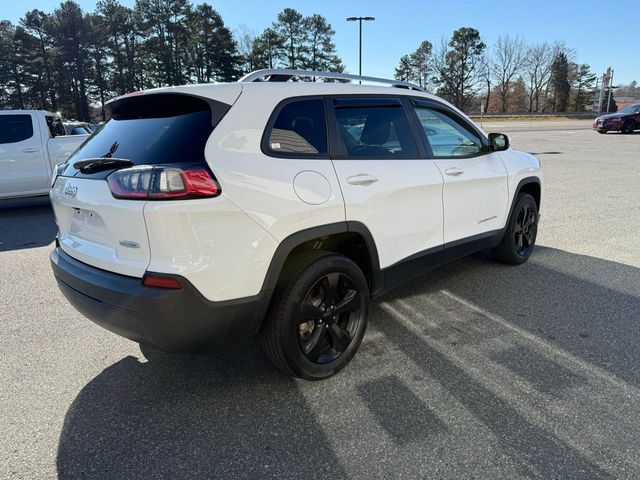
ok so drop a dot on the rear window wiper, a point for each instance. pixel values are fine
(93, 165)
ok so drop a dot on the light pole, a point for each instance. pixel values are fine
(360, 20)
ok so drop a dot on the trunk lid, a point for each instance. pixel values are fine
(98, 229)
(162, 128)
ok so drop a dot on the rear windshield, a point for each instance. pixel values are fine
(159, 130)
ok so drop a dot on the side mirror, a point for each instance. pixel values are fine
(499, 142)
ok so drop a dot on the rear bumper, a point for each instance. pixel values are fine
(171, 320)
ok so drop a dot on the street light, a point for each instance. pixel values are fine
(360, 20)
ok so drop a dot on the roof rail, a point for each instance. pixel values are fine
(282, 75)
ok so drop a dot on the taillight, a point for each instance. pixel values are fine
(162, 183)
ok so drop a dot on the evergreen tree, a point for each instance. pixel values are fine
(117, 25)
(518, 98)
(37, 24)
(268, 50)
(319, 49)
(213, 50)
(100, 84)
(290, 26)
(71, 33)
(417, 67)
(583, 84)
(559, 83)
(11, 67)
(421, 63)
(457, 66)
(163, 24)
(404, 71)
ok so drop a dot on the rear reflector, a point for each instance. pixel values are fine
(161, 282)
(145, 182)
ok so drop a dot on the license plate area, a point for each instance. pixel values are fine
(87, 224)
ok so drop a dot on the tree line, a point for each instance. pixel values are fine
(512, 76)
(72, 61)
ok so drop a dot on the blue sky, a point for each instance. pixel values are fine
(594, 29)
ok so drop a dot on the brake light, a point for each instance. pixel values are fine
(162, 183)
(161, 282)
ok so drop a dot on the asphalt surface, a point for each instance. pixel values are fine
(476, 371)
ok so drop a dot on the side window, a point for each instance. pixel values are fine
(446, 136)
(376, 131)
(55, 126)
(300, 128)
(15, 128)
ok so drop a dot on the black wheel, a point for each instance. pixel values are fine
(628, 127)
(316, 322)
(520, 235)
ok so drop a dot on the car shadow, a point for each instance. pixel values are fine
(232, 415)
(193, 416)
(588, 306)
(26, 223)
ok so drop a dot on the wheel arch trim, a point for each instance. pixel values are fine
(286, 246)
(525, 181)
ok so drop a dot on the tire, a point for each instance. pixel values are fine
(520, 235)
(628, 127)
(305, 333)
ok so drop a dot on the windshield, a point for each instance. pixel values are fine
(631, 109)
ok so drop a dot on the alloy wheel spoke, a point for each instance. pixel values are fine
(349, 303)
(310, 312)
(330, 286)
(528, 237)
(520, 241)
(339, 336)
(313, 347)
(530, 220)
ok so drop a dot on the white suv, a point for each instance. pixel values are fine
(205, 214)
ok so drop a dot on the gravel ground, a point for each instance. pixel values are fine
(477, 370)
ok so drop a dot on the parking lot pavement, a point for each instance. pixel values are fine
(478, 370)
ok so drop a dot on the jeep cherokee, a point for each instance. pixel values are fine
(202, 215)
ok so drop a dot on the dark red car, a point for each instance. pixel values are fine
(626, 120)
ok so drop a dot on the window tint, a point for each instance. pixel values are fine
(447, 137)
(376, 131)
(160, 130)
(56, 126)
(15, 128)
(300, 128)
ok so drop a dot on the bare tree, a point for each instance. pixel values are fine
(538, 72)
(245, 37)
(538, 69)
(485, 73)
(509, 58)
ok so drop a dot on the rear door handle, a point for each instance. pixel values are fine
(30, 150)
(454, 172)
(361, 179)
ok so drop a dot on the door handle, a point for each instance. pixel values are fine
(454, 172)
(30, 150)
(361, 179)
